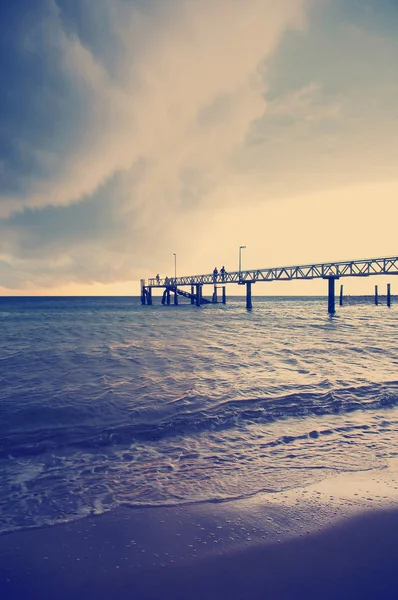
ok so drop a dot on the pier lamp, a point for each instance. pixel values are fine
(175, 265)
(240, 260)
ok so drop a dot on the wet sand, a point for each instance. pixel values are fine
(335, 539)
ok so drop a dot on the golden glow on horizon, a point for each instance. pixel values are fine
(359, 222)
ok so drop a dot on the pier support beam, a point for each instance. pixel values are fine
(164, 297)
(224, 295)
(175, 296)
(249, 295)
(149, 296)
(388, 294)
(331, 295)
(168, 296)
(198, 294)
(376, 295)
(215, 299)
(341, 295)
(192, 294)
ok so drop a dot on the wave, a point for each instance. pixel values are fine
(228, 414)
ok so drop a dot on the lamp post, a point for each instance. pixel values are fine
(175, 266)
(240, 261)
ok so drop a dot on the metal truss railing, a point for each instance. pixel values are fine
(351, 268)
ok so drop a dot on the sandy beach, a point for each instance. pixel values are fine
(334, 539)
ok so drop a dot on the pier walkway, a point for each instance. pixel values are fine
(330, 271)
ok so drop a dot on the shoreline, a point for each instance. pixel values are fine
(335, 538)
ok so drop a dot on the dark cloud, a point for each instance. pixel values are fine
(43, 111)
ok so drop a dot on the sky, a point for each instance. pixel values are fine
(135, 129)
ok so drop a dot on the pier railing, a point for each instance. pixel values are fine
(352, 268)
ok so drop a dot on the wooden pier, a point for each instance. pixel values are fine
(329, 271)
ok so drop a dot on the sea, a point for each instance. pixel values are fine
(105, 403)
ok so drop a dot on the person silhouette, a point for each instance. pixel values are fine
(215, 274)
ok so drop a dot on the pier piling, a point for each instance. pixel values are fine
(249, 304)
(215, 299)
(198, 294)
(149, 296)
(388, 294)
(224, 295)
(341, 295)
(175, 296)
(192, 294)
(376, 295)
(331, 296)
(168, 296)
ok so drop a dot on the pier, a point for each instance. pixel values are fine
(330, 271)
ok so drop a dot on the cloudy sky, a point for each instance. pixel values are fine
(133, 129)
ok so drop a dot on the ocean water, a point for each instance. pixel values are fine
(105, 403)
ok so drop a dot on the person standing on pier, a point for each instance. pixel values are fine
(157, 278)
(222, 273)
(215, 274)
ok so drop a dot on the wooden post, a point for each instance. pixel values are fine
(341, 295)
(175, 296)
(149, 296)
(192, 294)
(168, 296)
(376, 295)
(388, 294)
(164, 297)
(198, 294)
(215, 299)
(331, 297)
(224, 295)
(249, 295)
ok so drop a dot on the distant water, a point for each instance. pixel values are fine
(104, 402)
